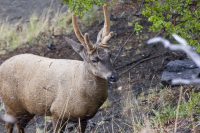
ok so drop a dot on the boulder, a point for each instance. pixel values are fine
(185, 69)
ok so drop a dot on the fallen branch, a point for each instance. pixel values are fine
(183, 46)
(141, 61)
(134, 61)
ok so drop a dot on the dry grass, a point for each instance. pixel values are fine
(155, 112)
(14, 35)
(161, 111)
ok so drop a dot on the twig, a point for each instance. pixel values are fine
(177, 110)
(141, 61)
(183, 46)
(134, 61)
(121, 48)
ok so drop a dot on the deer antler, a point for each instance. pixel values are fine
(104, 35)
(89, 43)
(106, 39)
(77, 30)
(106, 27)
(85, 41)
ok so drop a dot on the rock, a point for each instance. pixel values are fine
(180, 65)
(185, 69)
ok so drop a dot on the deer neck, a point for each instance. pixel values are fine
(94, 86)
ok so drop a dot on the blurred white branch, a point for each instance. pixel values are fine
(182, 46)
(194, 81)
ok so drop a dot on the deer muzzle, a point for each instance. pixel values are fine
(113, 77)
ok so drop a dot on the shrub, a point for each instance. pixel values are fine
(82, 6)
(175, 16)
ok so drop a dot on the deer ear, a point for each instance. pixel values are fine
(78, 48)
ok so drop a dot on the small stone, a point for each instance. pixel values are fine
(119, 88)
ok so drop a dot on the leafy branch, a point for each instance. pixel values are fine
(175, 16)
(80, 7)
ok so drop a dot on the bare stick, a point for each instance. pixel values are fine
(141, 61)
(177, 110)
(183, 46)
(121, 48)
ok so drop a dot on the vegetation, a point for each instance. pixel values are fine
(175, 16)
(187, 110)
(80, 7)
(138, 28)
(161, 109)
(158, 108)
(13, 36)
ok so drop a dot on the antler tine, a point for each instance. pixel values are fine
(99, 36)
(89, 44)
(77, 30)
(85, 40)
(106, 28)
(107, 38)
(105, 34)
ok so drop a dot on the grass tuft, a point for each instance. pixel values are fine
(12, 36)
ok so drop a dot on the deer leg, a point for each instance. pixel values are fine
(22, 122)
(10, 121)
(82, 124)
(9, 127)
(20, 129)
(59, 126)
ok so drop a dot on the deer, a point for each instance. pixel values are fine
(67, 90)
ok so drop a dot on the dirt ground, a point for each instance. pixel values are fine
(140, 66)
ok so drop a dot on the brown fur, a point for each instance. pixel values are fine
(64, 89)
(31, 84)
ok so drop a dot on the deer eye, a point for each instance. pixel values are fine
(95, 60)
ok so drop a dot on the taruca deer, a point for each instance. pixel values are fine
(64, 89)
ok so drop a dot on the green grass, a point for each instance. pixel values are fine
(161, 109)
(187, 108)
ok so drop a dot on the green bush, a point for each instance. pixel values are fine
(82, 6)
(138, 28)
(175, 16)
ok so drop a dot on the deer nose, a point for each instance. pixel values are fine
(113, 77)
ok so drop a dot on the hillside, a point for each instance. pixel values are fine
(138, 100)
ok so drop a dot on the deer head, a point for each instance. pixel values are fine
(97, 55)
